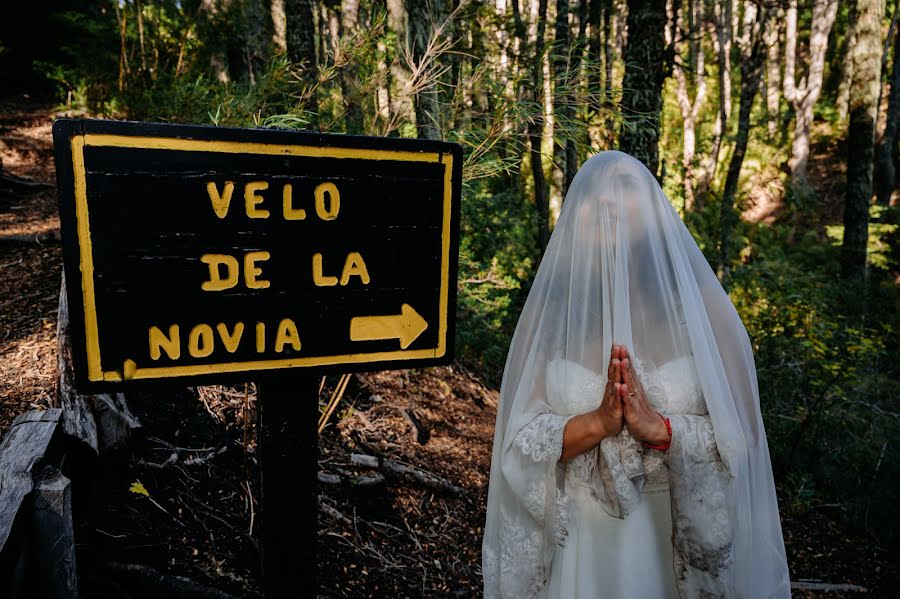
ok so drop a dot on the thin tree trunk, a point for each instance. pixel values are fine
(803, 97)
(349, 82)
(690, 109)
(279, 25)
(139, 10)
(595, 27)
(575, 70)
(402, 107)
(773, 73)
(842, 102)
(888, 40)
(753, 55)
(256, 22)
(886, 149)
(645, 71)
(536, 132)
(427, 103)
(861, 136)
(212, 14)
(300, 39)
(722, 40)
(561, 98)
(609, 48)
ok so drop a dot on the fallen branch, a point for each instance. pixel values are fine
(803, 585)
(393, 468)
(330, 478)
(172, 460)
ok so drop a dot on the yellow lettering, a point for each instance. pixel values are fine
(331, 212)
(220, 202)
(171, 344)
(251, 271)
(216, 282)
(354, 266)
(230, 340)
(290, 213)
(319, 279)
(251, 199)
(260, 337)
(287, 334)
(200, 341)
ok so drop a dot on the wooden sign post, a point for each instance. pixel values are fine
(206, 255)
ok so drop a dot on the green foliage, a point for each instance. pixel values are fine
(270, 101)
(828, 376)
(497, 260)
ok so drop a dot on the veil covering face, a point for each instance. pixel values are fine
(621, 267)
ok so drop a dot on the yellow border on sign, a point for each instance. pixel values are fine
(92, 337)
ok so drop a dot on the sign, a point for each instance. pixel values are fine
(196, 253)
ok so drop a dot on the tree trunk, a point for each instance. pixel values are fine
(861, 135)
(427, 102)
(886, 175)
(773, 73)
(722, 26)
(842, 102)
(353, 114)
(690, 109)
(595, 28)
(536, 131)
(402, 105)
(279, 25)
(753, 54)
(804, 97)
(610, 37)
(561, 98)
(212, 20)
(256, 21)
(300, 37)
(645, 71)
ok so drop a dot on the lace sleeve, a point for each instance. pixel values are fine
(542, 438)
(518, 566)
(699, 485)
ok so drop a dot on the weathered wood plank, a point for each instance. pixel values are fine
(78, 419)
(53, 537)
(25, 444)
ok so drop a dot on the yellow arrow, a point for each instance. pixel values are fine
(406, 326)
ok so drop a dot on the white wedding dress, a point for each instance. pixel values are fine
(607, 557)
(701, 519)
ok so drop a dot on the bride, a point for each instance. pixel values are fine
(629, 458)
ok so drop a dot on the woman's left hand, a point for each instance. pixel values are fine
(643, 421)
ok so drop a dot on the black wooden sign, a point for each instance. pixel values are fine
(194, 253)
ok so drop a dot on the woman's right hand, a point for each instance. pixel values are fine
(610, 412)
(585, 431)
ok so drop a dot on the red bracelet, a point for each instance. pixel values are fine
(668, 430)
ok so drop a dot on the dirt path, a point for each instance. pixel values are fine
(393, 539)
(29, 270)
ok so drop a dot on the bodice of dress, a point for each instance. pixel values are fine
(672, 388)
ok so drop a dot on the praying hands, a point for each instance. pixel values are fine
(624, 403)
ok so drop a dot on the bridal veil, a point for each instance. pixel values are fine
(622, 267)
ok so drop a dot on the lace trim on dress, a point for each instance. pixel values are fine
(700, 489)
(518, 570)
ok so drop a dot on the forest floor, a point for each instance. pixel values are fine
(184, 500)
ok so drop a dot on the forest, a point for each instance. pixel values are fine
(772, 126)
